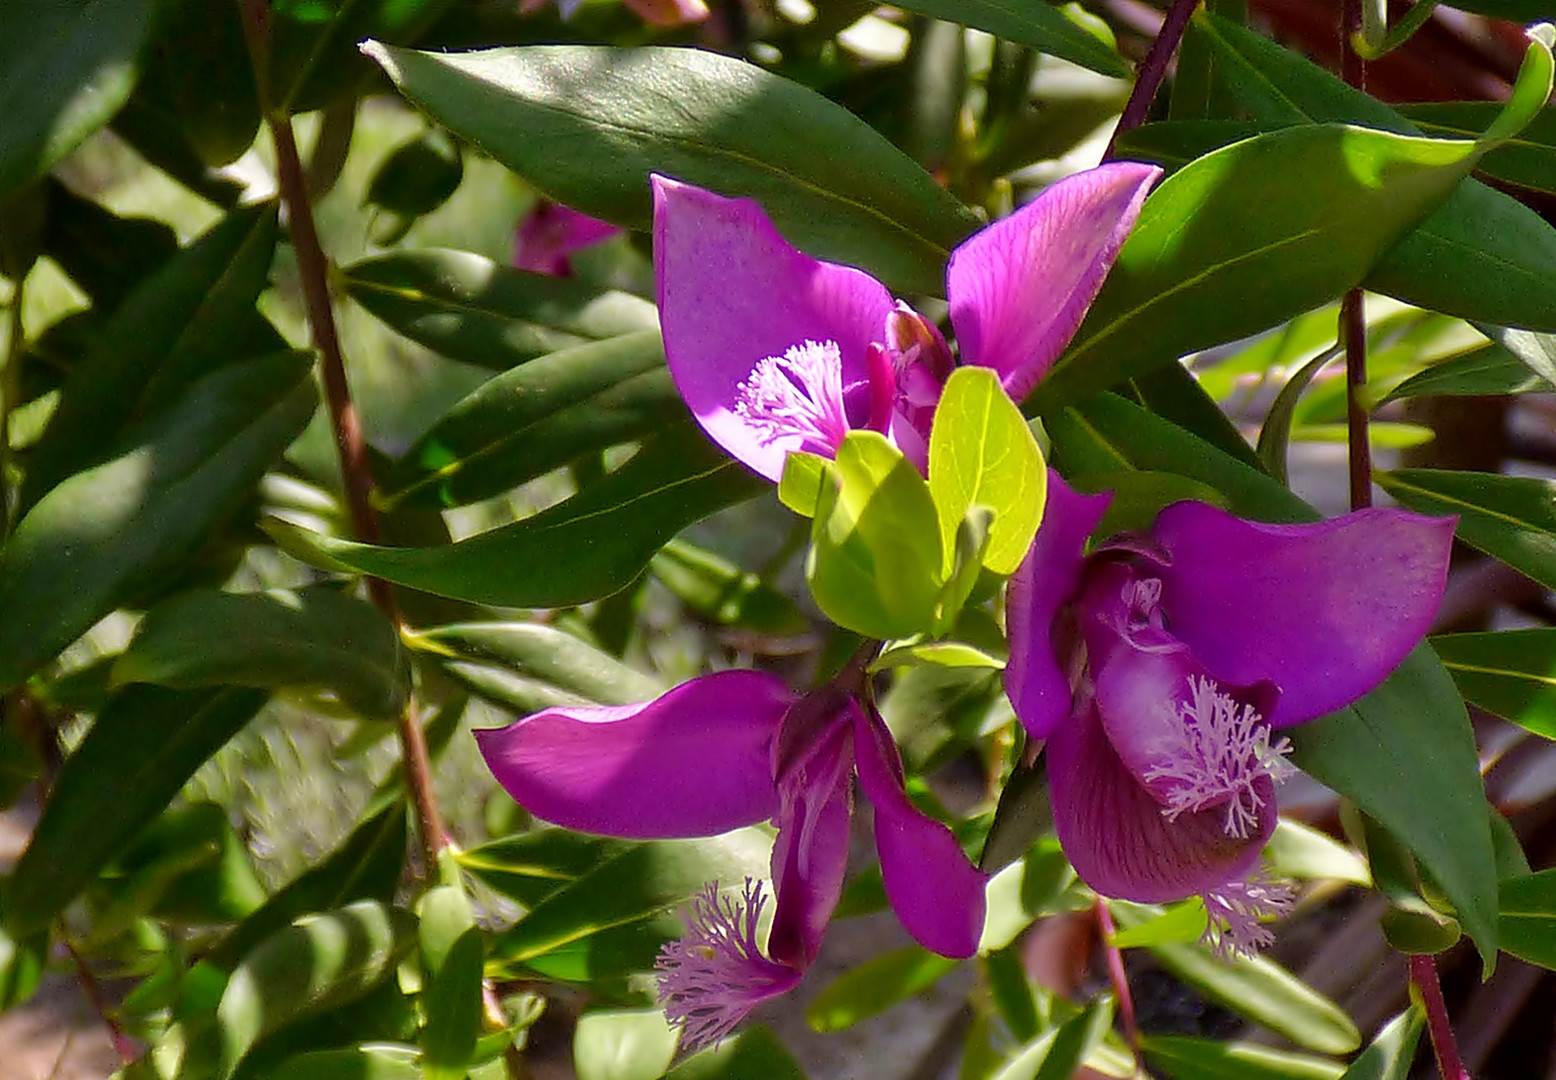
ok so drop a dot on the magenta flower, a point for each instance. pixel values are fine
(734, 749)
(1161, 667)
(551, 232)
(776, 351)
(661, 13)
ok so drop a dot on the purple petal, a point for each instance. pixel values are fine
(1046, 580)
(1115, 834)
(551, 232)
(811, 852)
(693, 762)
(732, 292)
(1325, 611)
(1019, 288)
(937, 894)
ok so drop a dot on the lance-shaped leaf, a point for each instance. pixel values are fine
(585, 547)
(1183, 1058)
(177, 325)
(138, 754)
(546, 654)
(981, 453)
(1044, 27)
(97, 537)
(468, 308)
(530, 420)
(65, 69)
(1392, 1052)
(1511, 518)
(451, 955)
(1527, 161)
(1529, 917)
(1481, 254)
(1511, 673)
(586, 124)
(1489, 370)
(316, 639)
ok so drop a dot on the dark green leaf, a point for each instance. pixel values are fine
(317, 964)
(317, 638)
(531, 866)
(188, 866)
(1511, 518)
(583, 548)
(1275, 435)
(98, 536)
(1487, 370)
(1511, 673)
(418, 176)
(21, 962)
(586, 125)
(1414, 725)
(1249, 236)
(468, 308)
(722, 592)
(172, 329)
(1528, 159)
(65, 69)
(875, 986)
(536, 417)
(1481, 254)
(1528, 917)
(136, 757)
(1203, 1059)
(642, 882)
(1076, 1038)
(107, 255)
(365, 866)
(546, 654)
(1036, 24)
(199, 85)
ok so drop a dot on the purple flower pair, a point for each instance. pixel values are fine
(1157, 667)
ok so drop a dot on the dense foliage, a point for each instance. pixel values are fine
(377, 373)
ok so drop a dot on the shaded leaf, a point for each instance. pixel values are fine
(752, 1054)
(586, 125)
(97, 537)
(1184, 1058)
(316, 638)
(875, 986)
(546, 654)
(469, 308)
(539, 416)
(65, 69)
(1511, 673)
(582, 549)
(137, 755)
(1044, 27)
(1528, 917)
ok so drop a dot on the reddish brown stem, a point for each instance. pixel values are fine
(313, 276)
(1152, 70)
(1423, 972)
(123, 1045)
(1115, 959)
(1353, 335)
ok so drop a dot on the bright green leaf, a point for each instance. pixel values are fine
(875, 986)
(875, 564)
(981, 453)
(1184, 1058)
(623, 1044)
